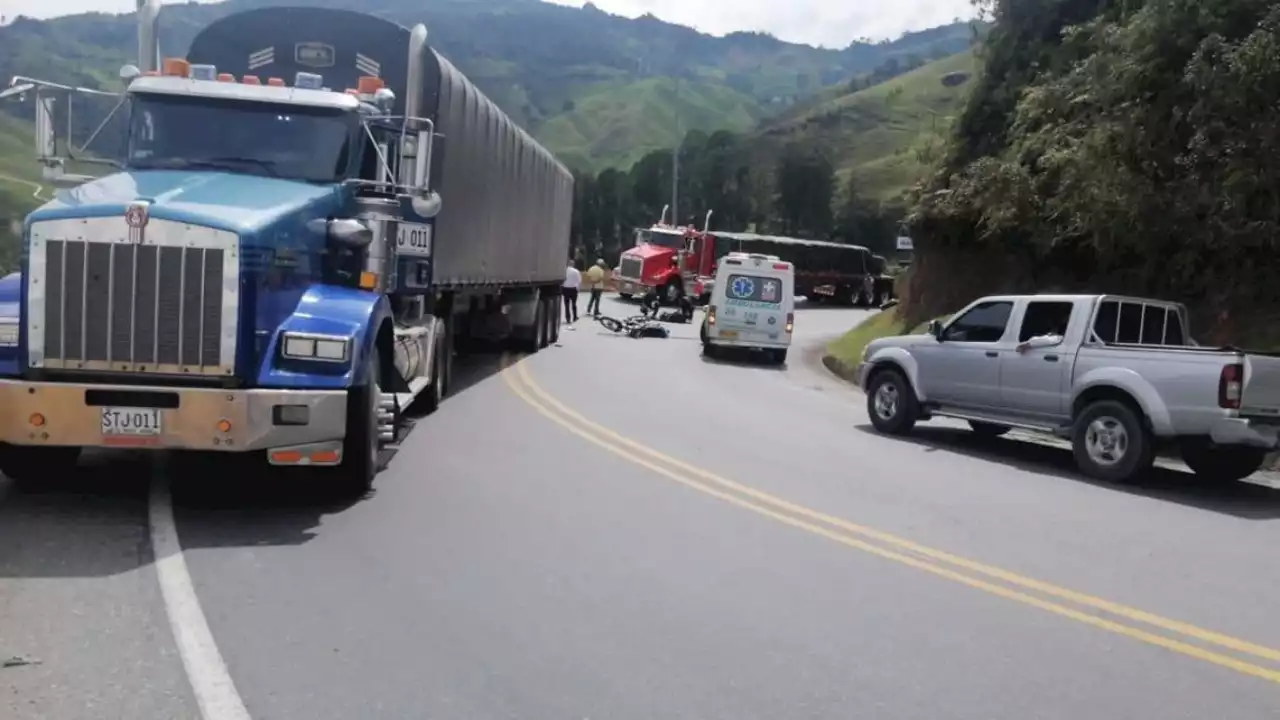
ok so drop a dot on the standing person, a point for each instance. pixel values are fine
(595, 281)
(572, 281)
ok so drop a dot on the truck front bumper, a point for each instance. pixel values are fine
(1243, 431)
(632, 286)
(72, 414)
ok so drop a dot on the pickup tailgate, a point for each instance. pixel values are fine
(1260, 395)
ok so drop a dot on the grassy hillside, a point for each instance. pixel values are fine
(886, 135)
(626, 122)
(589, 84)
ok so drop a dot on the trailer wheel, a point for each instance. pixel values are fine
(361, 446)
(544, 326)
(32, 468)
(554, 319)
(529, 339)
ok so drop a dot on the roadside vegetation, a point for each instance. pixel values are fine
(1114, 147)
(847, 349)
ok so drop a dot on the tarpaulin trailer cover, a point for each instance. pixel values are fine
(507, 201)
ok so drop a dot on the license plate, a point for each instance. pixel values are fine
(825, 290)
(628, 287)
(131, 426)
(413, 239)
(729, 334)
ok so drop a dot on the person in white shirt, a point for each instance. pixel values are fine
(572, 281)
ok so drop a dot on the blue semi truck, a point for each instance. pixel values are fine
(313, 211)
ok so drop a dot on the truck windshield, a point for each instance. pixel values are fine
(672, 240)
(286, 141)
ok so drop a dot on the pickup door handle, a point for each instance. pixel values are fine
(992, 353)
(1051, 358)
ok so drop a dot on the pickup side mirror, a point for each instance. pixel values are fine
(46, 140)
(935, 329)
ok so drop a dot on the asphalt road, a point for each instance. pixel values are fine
(618, 528)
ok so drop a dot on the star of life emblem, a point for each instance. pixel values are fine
(136, 216)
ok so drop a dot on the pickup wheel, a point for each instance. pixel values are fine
(892, 403)
(1222, 463)
(1110, 442)
(32, 468)
(988, 430)
(361, 446)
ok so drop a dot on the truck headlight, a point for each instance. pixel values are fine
(8, 332)
(309, 346)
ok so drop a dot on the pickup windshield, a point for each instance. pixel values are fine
(286, 141)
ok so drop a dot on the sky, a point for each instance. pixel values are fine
(829, 23)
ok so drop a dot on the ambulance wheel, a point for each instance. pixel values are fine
(778, 357)
(361, 447)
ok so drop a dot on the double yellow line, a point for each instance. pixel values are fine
(1180, 637)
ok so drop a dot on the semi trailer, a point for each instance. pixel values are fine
(315, 210)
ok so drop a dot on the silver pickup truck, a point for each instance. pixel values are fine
(1118, 376)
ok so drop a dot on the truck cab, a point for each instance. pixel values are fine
(672, 261)
(261, 272)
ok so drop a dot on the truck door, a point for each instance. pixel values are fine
(963, 369)
(1032, 382)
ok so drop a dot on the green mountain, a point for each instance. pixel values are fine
(887, 136)
(599, 90)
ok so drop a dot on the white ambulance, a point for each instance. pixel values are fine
(752, 306)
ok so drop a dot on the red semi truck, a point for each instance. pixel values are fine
(677, 261)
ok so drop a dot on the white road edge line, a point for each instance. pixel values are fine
(215, 692)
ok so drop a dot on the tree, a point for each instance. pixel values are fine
(805, 182)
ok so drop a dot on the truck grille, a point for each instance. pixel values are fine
(629, 268)
(163, 301)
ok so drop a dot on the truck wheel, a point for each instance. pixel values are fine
(31, 468)
(1111, 443)
(672, 292)
(361, 446)
(892, 403)
(986, 429)
(434, 394)
(779, 357)
(1222, 463)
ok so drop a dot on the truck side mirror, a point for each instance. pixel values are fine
(935, 329)
(46, 140)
